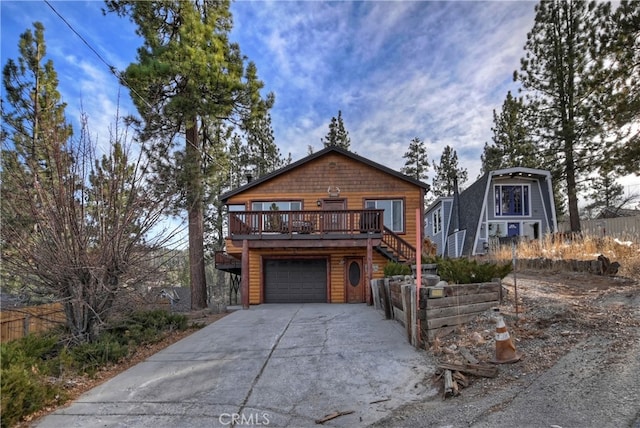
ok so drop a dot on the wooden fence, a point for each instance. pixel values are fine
(625, 228)
(17, 323)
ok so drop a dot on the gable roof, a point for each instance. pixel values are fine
(317, 155)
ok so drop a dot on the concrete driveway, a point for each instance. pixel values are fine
(274, 365)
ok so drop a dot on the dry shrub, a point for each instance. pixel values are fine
(627, 253)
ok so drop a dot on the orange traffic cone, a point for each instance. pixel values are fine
(505, 350)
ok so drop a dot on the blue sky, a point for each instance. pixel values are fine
(397, 70)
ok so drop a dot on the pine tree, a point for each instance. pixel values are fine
(619, 43)
(448, 174)
(605, 193)
(337, 135)
(512, 144)
(188, 76)
(34, 130)
(75, 228)
(565, 92)
(417, 162)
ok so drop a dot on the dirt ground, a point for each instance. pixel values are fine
(555, 311)
(579, 336)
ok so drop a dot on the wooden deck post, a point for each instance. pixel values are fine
(244, 279)
(369, 276)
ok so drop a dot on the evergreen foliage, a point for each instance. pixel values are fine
(337, 135)
(76, 228)
(605, 193)
(579, 76)
(417, 161)
(466, 271)
(190, 80)
(33, 369)
(512, 144)
(395, 269)
(448, 173)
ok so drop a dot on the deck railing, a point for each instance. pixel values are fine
(341, 222)
(404, 251)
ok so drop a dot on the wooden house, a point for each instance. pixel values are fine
(502, 205)
(319, 229)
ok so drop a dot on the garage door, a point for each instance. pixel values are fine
(295, 281)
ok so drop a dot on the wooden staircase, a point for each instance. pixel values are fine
(395, 248)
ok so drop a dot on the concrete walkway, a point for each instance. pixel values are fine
(273, 365)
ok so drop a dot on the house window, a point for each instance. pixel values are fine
(512, 200)
(393, 212)
(236, 207)
(277, 205)
(437, 221)
(497, 229)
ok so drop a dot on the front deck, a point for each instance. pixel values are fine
(312, 229)
(306, 225)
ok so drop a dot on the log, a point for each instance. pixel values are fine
(461, 379)
(467, 356)
(333, 416)
(448, 384)
(474, 369)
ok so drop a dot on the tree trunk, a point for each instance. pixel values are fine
(195, 208)
(572, 194)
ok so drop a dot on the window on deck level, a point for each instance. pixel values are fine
(512, 200)
(393, 212)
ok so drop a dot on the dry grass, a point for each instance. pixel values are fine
(627, 253)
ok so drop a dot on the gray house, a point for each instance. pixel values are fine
(503, 204)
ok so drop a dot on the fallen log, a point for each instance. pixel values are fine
(474, 369)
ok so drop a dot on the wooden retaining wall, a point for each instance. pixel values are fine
(458, 304)
(17, 323)
(591, 266)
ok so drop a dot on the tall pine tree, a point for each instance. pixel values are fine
(337, 135)
(34, 130)
(562, 74)
(512, 144)
(417, 161)
(448, 173)
(188, 76)
(605, 194)
(618, 42)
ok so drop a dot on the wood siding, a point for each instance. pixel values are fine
(335, 268)
(357, 182)
(309, 183)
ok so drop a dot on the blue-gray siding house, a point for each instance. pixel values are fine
(513, 202)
